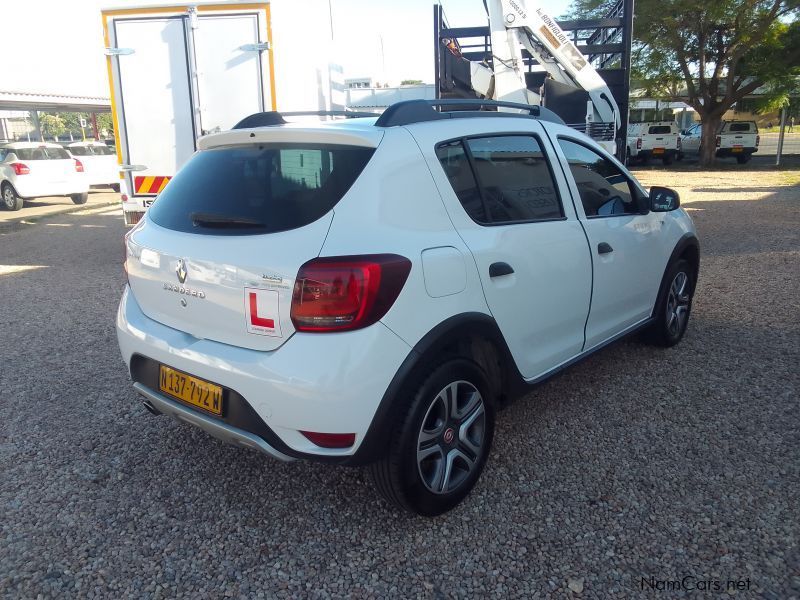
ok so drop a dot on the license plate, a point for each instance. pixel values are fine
(658, 151)
(191, 390)
(736, 149)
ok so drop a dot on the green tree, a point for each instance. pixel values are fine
(712, 54)
(52, 125)
(105, 122)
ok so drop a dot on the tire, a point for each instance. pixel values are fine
(115, 187)
(667, 160)
(743, 159)
(11, 200)
(674, 305)
(643, 159)
(80, 198)
(449, 420)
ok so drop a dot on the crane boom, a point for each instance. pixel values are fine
(516, 24)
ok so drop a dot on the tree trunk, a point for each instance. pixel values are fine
(708, 140)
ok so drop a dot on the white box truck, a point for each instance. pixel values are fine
(181, 70)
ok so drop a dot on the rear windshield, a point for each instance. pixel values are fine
(40, 153)
(660, 129)
(79, 151)
(739, 127)
(91, 150)
(258, 189)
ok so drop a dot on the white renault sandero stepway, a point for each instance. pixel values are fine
(369, 291)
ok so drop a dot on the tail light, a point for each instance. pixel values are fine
(78, 166)
(758, 140)
(20, 168)
(719, 141)
(638, 143)
(346, 292)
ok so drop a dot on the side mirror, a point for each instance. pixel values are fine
(663, 199)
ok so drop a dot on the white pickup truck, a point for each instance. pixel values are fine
(739, 139)
(657, 139)
(735, 138)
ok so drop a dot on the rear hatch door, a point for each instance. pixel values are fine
(218, 253)
(50, 165)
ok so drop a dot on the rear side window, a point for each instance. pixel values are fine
(660, 129)
(514, 180)
(258, 189)
(739, 127)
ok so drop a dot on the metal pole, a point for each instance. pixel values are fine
(627, 42)
(437, 10)
(780, 137)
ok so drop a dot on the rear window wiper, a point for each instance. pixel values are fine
(222, 221)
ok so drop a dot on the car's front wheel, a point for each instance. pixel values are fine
(80, 198)
(11, 200)
(439, 449)
(674, 305)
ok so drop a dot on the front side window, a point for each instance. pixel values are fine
(604, 189)
(502, 179)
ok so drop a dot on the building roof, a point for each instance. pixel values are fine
(13, 100)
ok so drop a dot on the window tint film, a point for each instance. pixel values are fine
(515, 179)
(456, 166)
(79, 151)
(739, 127)
(604, 189)
(258, 189)
(660, 129)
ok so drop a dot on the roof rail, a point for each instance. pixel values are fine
(420, 111)
(265, 119)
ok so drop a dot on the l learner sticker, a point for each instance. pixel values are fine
(261, 312)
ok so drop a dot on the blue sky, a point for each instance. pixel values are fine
(59, 44)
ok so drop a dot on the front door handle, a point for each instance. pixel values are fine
(604, 248)
(499, 269)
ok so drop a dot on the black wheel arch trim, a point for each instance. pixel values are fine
(429, 348)
(688, 240)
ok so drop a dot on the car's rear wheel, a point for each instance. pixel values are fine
(439, 449)
(80, 198)
(11, 200)
(674, 305)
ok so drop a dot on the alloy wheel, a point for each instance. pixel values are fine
(678, 304)
(451, 440)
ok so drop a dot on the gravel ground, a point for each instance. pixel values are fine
(636, 463)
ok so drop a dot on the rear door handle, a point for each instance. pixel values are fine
(604, 248)
(499, 269)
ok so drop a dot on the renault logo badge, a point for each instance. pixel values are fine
(181, 270)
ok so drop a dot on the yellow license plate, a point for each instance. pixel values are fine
(736, 149)
(191, 390)
(658, 151)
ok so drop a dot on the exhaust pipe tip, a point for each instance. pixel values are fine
(152, 409)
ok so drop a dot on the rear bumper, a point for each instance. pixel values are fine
(31, 188)
(670, 152)
(730, 152)
(219, 429)
(330, 383)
